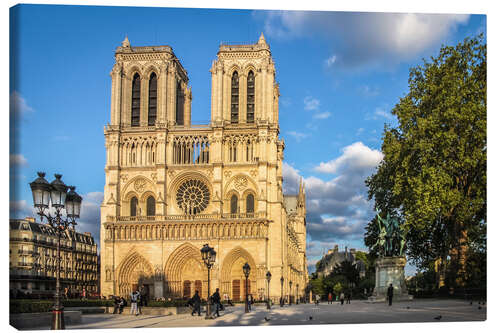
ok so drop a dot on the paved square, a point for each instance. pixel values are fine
(356, 313)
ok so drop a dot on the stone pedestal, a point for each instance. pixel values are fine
(390, 270)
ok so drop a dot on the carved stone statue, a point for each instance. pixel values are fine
(391, 236)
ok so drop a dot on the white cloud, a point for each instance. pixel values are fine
(361, 38)
(360, 131)
(297, 135)
(379, 113)
(20, 209)
(311, 103)
(322, 115)
(90, 215)
(18, 105)
(291, 178)
(337, 208)
(330, 61)
(383, 113)
(18, 160)
(357, 156)
(368, 91)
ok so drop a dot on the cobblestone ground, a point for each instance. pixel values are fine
(305, 314)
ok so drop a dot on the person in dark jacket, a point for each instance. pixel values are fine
(390, 293)
(196, 301)
(117, 301)
(122, 304)
(216, 302)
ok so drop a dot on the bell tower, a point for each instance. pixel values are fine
(244, 90)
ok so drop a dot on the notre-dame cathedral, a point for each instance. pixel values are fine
(172, 187)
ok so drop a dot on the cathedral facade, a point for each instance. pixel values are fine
(172, 187)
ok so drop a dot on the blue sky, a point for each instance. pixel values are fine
(340, 74)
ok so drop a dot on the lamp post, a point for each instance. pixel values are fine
(246, 272)
(57, 194)
(290, 294)
(281, 299)
(208, 255)
(268, 277)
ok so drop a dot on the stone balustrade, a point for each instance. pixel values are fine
(199, 228)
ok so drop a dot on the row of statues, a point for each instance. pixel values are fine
(391, 237)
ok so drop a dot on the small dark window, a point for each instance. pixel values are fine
(151, 206)
(133, 206)
(179, 114)
(234, 204)
(152, 100)
(235, 97)
(136, 100)
(250, 97)
(250, 203)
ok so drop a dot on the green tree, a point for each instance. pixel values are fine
(433, 174)
(338, 288)
(347, 270)
(317, 286)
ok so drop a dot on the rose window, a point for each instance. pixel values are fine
(193, 196)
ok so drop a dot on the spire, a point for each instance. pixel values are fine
(262, 40)
(126, 42)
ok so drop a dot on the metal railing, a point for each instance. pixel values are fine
(225, 216)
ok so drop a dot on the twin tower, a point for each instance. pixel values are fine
(172, 187)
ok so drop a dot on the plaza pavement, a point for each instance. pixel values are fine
(357, 312)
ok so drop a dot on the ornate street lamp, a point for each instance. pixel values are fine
(208, 255)
(281, 299)
(268, 277)
(56, 193)
(290, 294)
(246, 272)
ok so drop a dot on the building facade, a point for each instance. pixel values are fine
(33, 259)
(172, 187)
(334, 257)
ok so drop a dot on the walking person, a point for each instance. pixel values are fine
(330, 298)
(116, 305)
(342, 298)
(139, 302)
(133, 302)
(196, 301)
(144, 296)
(249, 302)
(318, 298)
(216, 301)
(122, 304)
(390, 293)
(348, 297)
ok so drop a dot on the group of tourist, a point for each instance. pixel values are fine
(332, 298)
(120, 303)
(215, 300)
(138, 299)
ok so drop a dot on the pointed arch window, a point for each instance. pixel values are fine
(133, 206)
(250, 97)
(151, 206)
(179, 114)
(235, 97)
(136, 100)
(152, 99)
(234, 204)
(250, 203)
